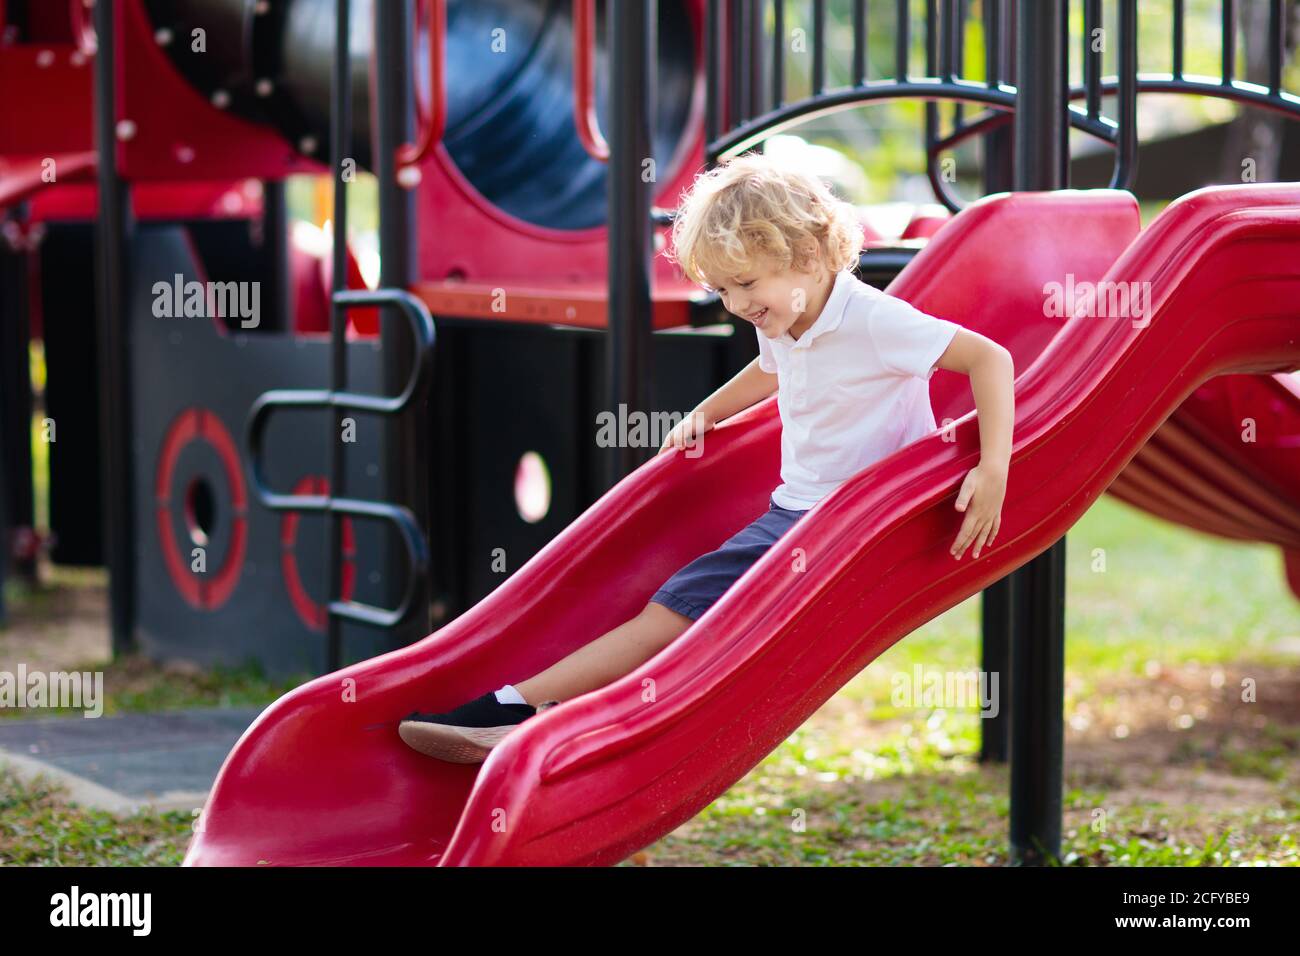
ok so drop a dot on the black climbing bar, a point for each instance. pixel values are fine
(994, 15)
(1179, 28)
(819, 47)
(951, 25)
(947, 37)
(1229, 69)
(1276, 46)
(713, 45)
(932, 64)
(1126, 145)
(778, 54)
(333, 505)
(902, 40)
(1092, 57)
(754, 58)
(931, 37)
(736, 100)
(860, 37)
(1064, 83)
(958, 53)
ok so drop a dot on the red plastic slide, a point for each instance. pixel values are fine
(321, 776)
(1226, 462)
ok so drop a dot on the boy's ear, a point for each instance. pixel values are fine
(808, 248)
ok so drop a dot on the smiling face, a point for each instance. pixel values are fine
(776, 301)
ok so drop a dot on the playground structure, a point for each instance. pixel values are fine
(498, 180)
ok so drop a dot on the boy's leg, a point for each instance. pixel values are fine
(608, 657)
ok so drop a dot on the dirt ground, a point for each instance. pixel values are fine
(62, 626)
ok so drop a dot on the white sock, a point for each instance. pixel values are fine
(508, 695)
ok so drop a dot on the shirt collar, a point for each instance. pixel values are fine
(832, 312)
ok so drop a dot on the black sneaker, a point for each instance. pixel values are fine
(468, 733)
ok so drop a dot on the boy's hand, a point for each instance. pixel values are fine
(687, 431)
(981, 498)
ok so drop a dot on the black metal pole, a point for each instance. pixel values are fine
(1037, 682)
(715, 42)
(406, 438)
(819, 47)
(4, 510)
(275, 245)
(996, 600)
(737, 102)
(114, 225)
(340, 144)
(1040, 105)
(632, 42)
(1126, 145)
(4, 533)
(16, 401)
(1063, 25)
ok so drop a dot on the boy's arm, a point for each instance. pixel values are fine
(747, 387)
(992, 377)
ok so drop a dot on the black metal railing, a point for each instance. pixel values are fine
(400, 517)
(735, 122)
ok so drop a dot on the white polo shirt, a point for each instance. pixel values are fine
(853, 389)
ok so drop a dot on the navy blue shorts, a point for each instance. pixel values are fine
(693, 589)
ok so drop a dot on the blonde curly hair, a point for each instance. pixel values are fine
(752, 208)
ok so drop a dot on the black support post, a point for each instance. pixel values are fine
(632, 42)
(1040, 105)
(1037, 681)
(4, 535)
(112, 231)
(16, 405)
(275, 245)
(406, 437)
(340, 143)
(996, 600)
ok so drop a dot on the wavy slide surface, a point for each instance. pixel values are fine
(321, 778)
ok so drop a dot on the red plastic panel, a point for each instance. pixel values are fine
(47, 107)
(153, 201)
(23, 176)
(176, 132)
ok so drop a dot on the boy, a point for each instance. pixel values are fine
(850, 366)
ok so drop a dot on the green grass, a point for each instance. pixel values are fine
(39, 828)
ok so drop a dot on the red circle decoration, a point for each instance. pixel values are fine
(310, 612)
(205, 592)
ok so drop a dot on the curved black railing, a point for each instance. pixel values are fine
(735, 121)
(400, 517)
